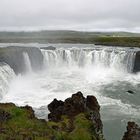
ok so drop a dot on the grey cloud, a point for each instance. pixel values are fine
(70, 14)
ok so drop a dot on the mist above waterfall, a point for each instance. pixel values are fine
(6, 75)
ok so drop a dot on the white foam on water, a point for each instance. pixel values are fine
(41, 88)
(6, 75)
(67, 71)
(27, 62)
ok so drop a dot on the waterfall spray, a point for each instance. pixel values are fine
(120, 60)
(27, 62)
(6, 75)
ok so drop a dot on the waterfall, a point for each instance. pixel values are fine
(27, 62)
(117, 59)
(6, 74)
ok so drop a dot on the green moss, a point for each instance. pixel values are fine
(82, 129)
(21, 125)
(82, 121)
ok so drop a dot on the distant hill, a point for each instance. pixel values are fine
(66, 36)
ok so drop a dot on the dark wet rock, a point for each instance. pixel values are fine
(75, 105)
(133, 132)
(56, 107)
(94, 108)
(92, 103)
(54, 104)
(137, 62)
(49, 48)
(131, 92)
(72, 106)
(4, 116)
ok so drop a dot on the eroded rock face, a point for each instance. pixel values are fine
(133, 132)
(137, 62)
(92, 103)
(14, 57)
(75, 105)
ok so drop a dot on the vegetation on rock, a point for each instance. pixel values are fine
(20, 123)
(77, 118)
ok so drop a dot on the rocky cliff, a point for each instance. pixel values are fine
(137, 62)
(77, 118)
(133, 132)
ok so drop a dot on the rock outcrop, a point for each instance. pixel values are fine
(137, 62)
(77, 118)
(75, 105)
(133, 132)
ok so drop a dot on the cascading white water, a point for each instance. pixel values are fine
(6, 75)
(121, 60)
(104, 72)
(27, 62)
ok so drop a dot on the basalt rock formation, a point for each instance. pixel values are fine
(75, 105)
(77, 118)
(133, 132)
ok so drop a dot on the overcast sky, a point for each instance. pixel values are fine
(90, 15)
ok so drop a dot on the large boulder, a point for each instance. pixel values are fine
(56, 108)
(75, 105)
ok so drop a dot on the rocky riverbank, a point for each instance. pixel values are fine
(76, 118)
